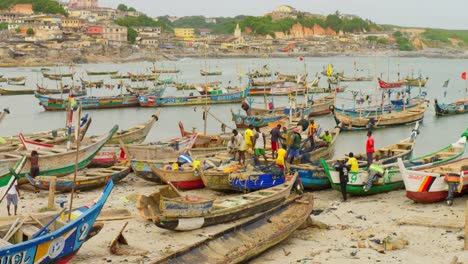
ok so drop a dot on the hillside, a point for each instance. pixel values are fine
(39, 6)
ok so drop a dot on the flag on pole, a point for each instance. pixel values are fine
(301, 58)
(329, 70)
(446, 83)
(463, 76)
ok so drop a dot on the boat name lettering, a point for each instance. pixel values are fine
(415, 177)
(56, 247)
(353, 178)
(185, 206)
(388, 179)
(18, 258)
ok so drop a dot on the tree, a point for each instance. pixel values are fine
(3, 26)
(122, 7)
(131, 35)
(131, 9)
(17, 30)
(397, 34)
(30, 31)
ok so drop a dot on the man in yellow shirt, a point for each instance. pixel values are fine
(280, 158)
(312, 132)
(248, 137)
(353, 163)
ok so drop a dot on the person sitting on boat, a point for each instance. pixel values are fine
(260, 145)
(275, 137)
(311, 133)
(352, 163)
(326, 139)
(245, 106)
(293, 151)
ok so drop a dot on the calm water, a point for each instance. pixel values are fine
(28, 116)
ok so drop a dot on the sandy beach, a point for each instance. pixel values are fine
(350, 225)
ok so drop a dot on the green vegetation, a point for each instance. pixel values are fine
(140, 21)
(131, 35)
(3, 26)
(383, 41)
(372, 38)
(39, 6)
(404, 44)
(123, 7)
(443, 35)
(30, 31)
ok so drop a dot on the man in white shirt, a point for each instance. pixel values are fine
(12, 197)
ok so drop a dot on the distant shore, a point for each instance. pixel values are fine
(145, 56)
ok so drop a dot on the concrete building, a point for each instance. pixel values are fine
(148, 32)
(184, 33)
(210, 20)
(95, 30)
(283, 11)
(73, 24)
(115, 33)
(79, 13)
(83, 3)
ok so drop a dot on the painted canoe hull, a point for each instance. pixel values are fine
(313, 178)
(155, 101)
(451, 109)
(56, 104)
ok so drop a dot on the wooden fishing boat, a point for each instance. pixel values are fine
(455, 108)
(395, 106)
(58, 160)
(266, 83)
(105, 102)
(3, 79)
(144, 90)
(120, 76)
(184, 86)
(16, 79)
(259, 74)
(184, 180)
(431, 185)
(210, 73)
(51, 239)
(15, 92)
(205, 141)
(143, 77)
(102, 73)
(278, 90)
(391, 177)
(49, 75)
(415, 82)
(256, 180)
(97, 84)
(136, 134)
(291, 78)
(389, 85)
(165, 81)
(76, 91)
(244, 121)
(246, 240)
(226, 98)
(221, 211)
(407, 116)
(165, 71)
(19, 83)
(86, 179)
(55, 78)
(337, 89)
(217, 180)
(105, 158)
(309, 155)
(355, 79)
(333, 80)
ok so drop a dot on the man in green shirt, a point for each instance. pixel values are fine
(293, 151)
(326, 139)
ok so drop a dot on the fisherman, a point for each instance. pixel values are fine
(352, 163)
(245, 106)
(275, 137)
(233, 144)
(311, 133)
(260, 144)
(293, 151)
(369, 148)
(343, 169)
(248, 138)
(34, 171)
(12, 196)
(326, 139)
(280, 158)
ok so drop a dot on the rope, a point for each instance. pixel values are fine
(219, 120)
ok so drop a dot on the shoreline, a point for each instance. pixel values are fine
(144, 56)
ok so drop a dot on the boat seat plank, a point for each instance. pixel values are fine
(29, 230)
(9, 155)
(4, 243)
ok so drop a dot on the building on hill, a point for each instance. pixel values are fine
(83, 3)
(184, 33)
(72, 24)
(210, 20)
(148, 32)
(283, 11)
(115, 33)
(23, 9)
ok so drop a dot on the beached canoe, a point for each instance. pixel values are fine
(15, 92)
(455, 108)
(51, 239)
(58, 160)
(19, 83)
(408, 116)
(431, 185)
(105, 102)
(391, 177)
(86, 179)
(183, 179)
(222, 210)
(136, 134)
(216, 180)
(246, 240)
(247, 181)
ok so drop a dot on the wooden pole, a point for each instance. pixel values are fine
(466, 226)
(77, 133)
(51, 201)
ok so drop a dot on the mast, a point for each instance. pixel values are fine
(78, 141)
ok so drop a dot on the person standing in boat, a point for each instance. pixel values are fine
(260, 145)
(352, 163)
(275, 137)
(311, 133)
(370, 148)
(34, 171)
(293, 151)
(248, 138)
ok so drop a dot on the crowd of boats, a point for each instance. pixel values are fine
(270, 195)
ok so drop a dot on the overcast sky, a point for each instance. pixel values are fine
(450, 14)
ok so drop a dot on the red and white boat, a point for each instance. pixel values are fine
(388, 85)
(430, 185)
(33, 145)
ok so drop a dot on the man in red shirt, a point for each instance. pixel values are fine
(370, 148)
